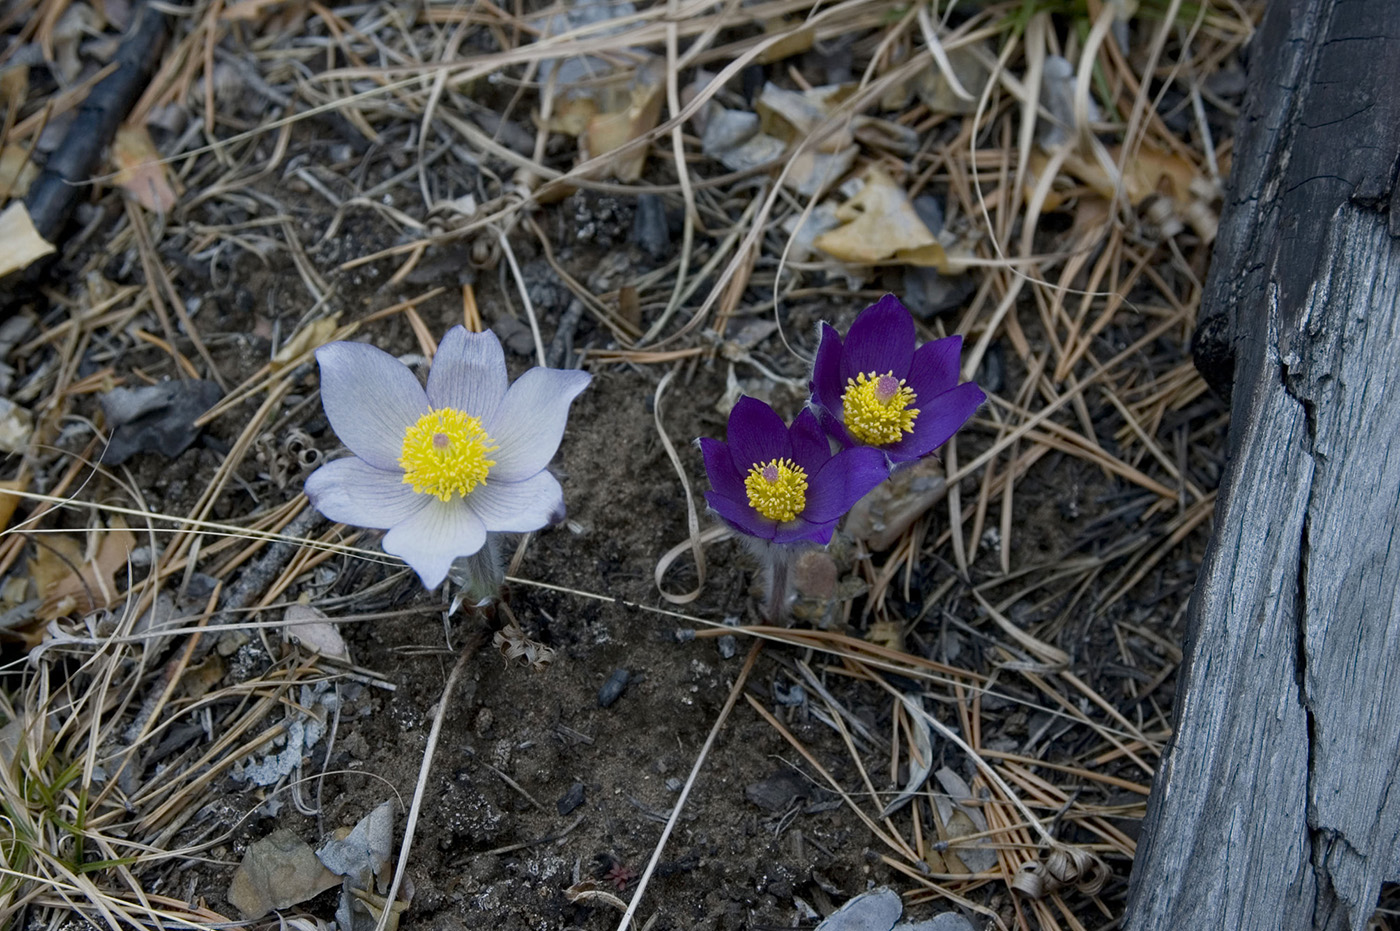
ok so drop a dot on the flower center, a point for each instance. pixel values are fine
(445, 453)
(777, 489)
(876, 408)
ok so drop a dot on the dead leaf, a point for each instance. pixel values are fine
(616, 126)
(882, 227)
(17, 171)
(73, 582)
(9, 502)
(880, 518)
(308, 628)
(20, 243)
(1150, 172)
(278, 871)
(16, 427)
(312, 336)
(792, 116)
(796, 39)
(139, 169)
(199, 679)
(936, 92)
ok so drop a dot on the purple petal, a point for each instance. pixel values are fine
(468, 374)
(796, 530)
(880, 340)
(842, 482)
(810, 447)
(529, 423)
(439, 533)
(370, 398)
(351, 491)
(518, 507)
(740, 516)
(826, 371)
(938, 420)
(935, 368)
(719, 466)
(757, 434)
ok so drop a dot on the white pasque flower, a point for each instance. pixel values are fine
(439, 469)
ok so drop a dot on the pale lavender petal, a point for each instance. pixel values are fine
(810, 447)
(880, 340)
(740, 516)
(844, 481)
(719, 466)
(797, 530)
(935, 368)
(529, 423)
(468, 374)
(370, 399)
(518, 507)
(354, 492)
(938, 420)
(431, 539)
(826, 384)
(757, 434)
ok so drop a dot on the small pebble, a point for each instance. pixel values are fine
(613, 688)
(728, 646)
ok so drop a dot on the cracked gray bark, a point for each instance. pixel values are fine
(1273, 808)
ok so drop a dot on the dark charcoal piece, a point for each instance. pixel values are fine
(778, 791)
(649, 227)
(571, 799)
(64, 178)
(156, 418)
(612, 689)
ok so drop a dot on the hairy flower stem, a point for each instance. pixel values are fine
(480, 575)
(778, 562)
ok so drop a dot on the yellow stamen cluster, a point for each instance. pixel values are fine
(876, 408)
(777, 489)
(444, 453)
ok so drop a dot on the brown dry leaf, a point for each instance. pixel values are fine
(881, 227)
(617, 126)
(17, 172)
(9, 502)
(247, 11)
(73, 582)
(198, 680)
(139, 170)
(309, 337)
(20, 243)
(278, 871)
(798, 39)
(793, 116)
(1152, 171)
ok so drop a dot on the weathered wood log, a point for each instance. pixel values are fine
(1278, 805)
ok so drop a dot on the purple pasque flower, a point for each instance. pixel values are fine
(440, 469)
(782, 483)
(876, 390)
